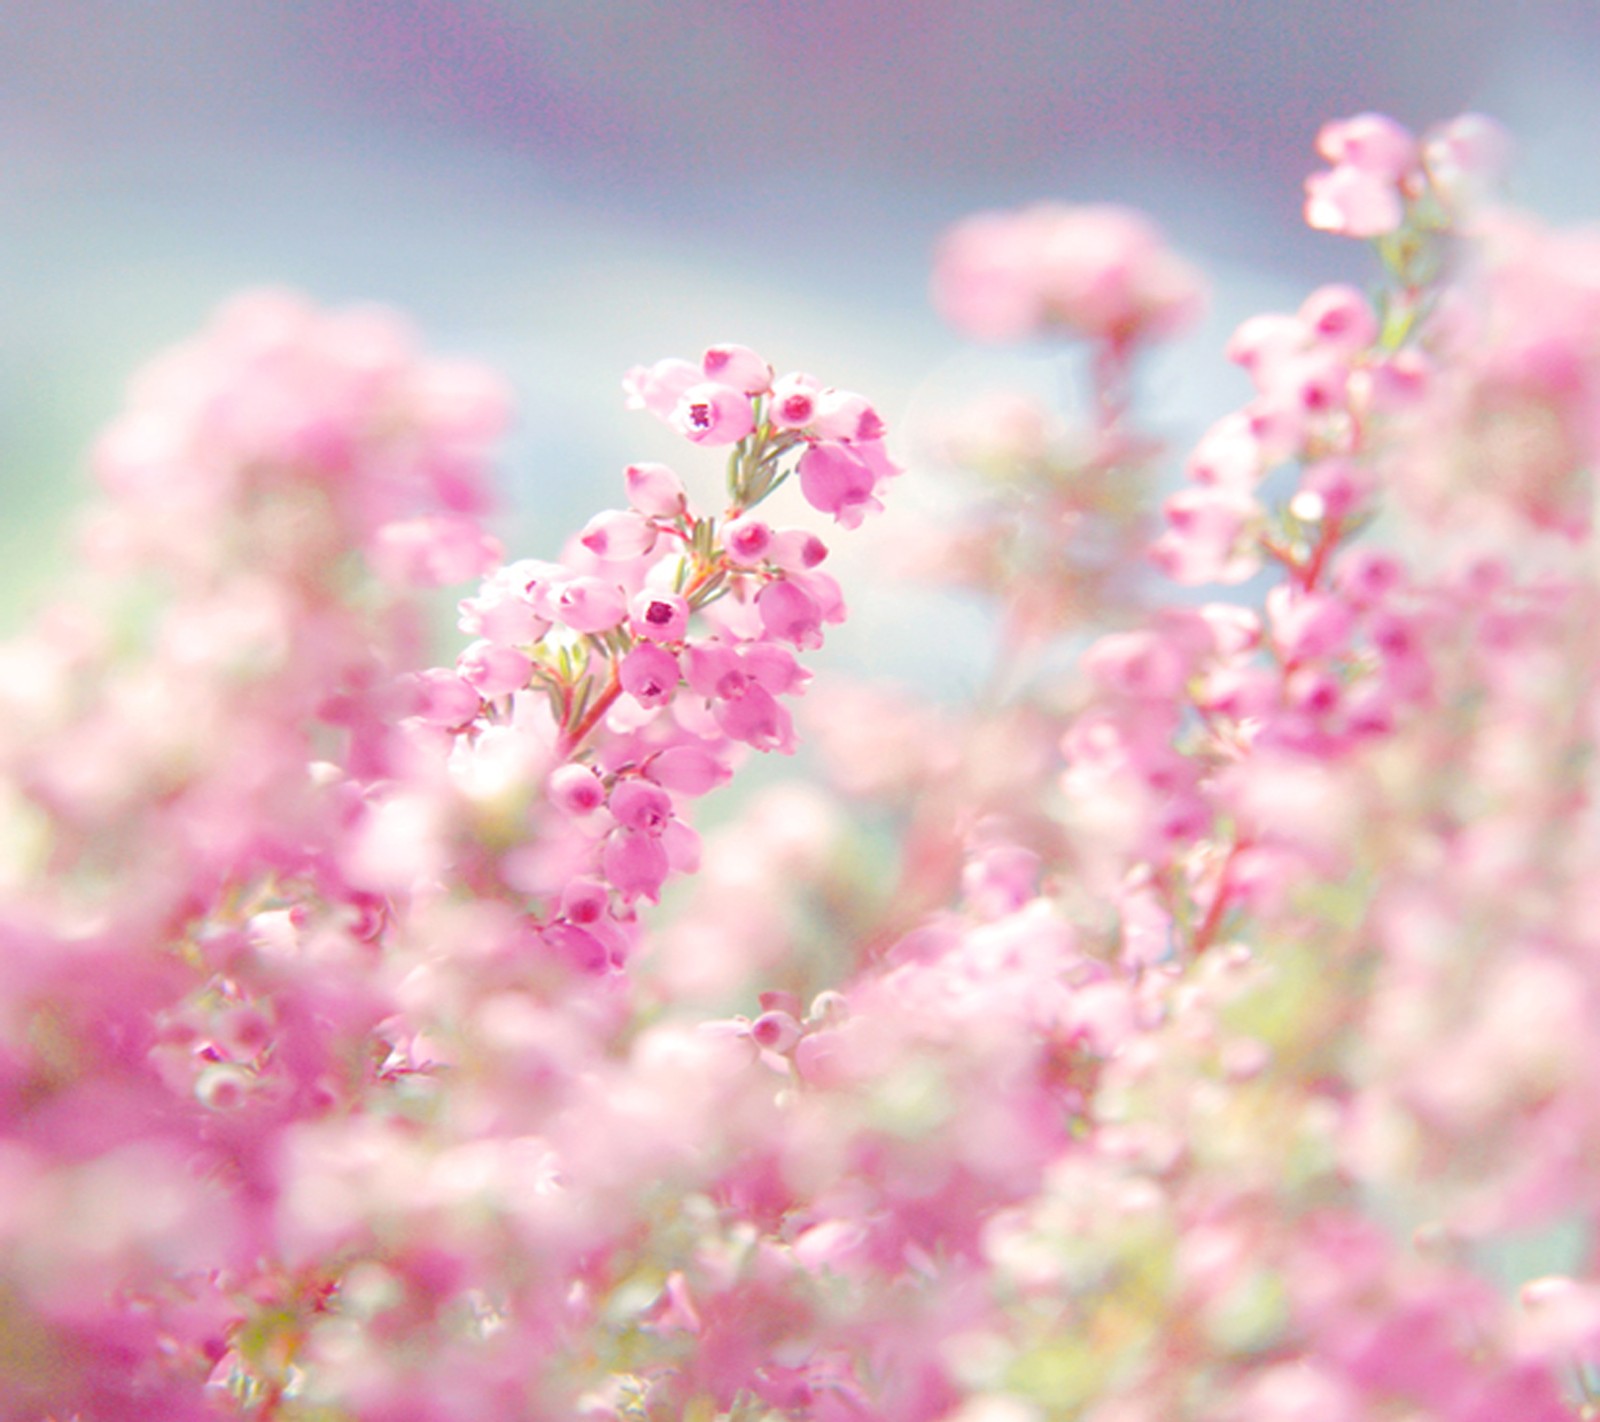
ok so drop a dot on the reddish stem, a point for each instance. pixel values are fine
(574, 736)
(1319, 555)
(1209, 925)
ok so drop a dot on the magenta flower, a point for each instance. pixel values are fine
(737, 367)
(657, 388)
(649, 674)
(494, 670)
(709, 413)
(789, 614)
(587, 604)
(654, 490)
(635, 863)
(658, 617)
(641, 806)
(836, 480)
(576, 789)
(747, 539)
(793, 404)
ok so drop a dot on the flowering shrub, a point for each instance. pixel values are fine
(1185, 1037)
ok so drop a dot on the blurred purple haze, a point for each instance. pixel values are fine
(569, 186)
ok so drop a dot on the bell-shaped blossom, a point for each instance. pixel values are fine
(796, 549)
(657, 388)
(649, 674)
(1340, 318)
(635, 863)
(655, 491)
(618, 535)
(494, 670)
(709, 413)
(1363, 194)
(790, 614)
(640, 805)
(688, 769)
(445, 698)
(1466, 158)
(502, 611)
(1208, 536)
(658, 616)
(793, 404)
(836, 480)
(1353, 203)
(846, 416)
(576, 789)
(585, 604)
(747, 540)
(738, 367)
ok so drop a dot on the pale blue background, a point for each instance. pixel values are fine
(566, 188)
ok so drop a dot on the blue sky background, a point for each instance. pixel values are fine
(566, 187)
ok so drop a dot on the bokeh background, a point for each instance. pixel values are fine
(567, 187)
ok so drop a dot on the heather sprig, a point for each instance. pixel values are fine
(1194, 1028)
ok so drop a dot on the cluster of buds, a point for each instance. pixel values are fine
(630, 671)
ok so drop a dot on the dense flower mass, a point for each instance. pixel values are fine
(1196, 1026)
(1099, 273)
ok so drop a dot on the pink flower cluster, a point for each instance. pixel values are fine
(1193, 1029)
(732, 392)
(1096, 273)
(626, 675)
(1380, 170)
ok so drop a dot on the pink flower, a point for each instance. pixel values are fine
(1135, 664)
(494, 670)
(577, 947)
(775, 1032)
(983, 279)
(618, 535)
(794, 401)
(1369, 143)
(1362, 195)
(844, 415)
(1465, 158)
(503, 612)
(641, 806)
(688, 769)
(654, 490)
(584, 901)
(1100, 273)
(587, 604)
(738, 367)
(660, 617)
(635, 863)
(657, 388)
(445, 698)
(746, 539)
(1306, 626)
(796, 549)
(836, 480)
(714, 414)
(1208, 536)
(1340, 317)
(649, 674)
(1353, 203)
(576, 789)
(789, 614)
(750, 713)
